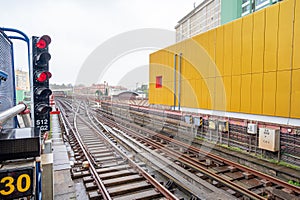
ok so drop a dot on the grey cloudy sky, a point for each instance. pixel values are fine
(78, 27)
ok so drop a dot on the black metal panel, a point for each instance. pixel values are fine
(19, 143)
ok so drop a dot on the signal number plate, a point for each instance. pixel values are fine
(16, 183)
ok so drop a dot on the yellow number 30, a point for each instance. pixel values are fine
(11, 188)
(9, 185)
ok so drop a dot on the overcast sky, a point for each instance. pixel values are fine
(78, 27)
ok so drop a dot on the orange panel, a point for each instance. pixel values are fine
(219, 52)
(205, 94)
(285, 34)
(256, 93)
(269, 93)
(283, 95)
(296, 59)
(235, 94)
(220, 94)
(200, 55)
(211, 93)
(227, 84)
(295, 103)
(246, 93)
(227, 49)
(258, 42)
(198, 90)
(271, 38)
(211, 51)
(247, 32)
(237, 47)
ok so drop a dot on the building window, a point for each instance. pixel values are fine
(258, 2)
(159, 82)
(246, 9)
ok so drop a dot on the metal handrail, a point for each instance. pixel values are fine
(11, 112)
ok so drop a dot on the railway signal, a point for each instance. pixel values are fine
(40, 81)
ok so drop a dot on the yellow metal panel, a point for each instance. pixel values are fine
(295, 103)
(256, 93)
(285, 34)
(237, 47)
(170, 96)
(211, 93)
(188, 96)
(227, 85)
(211, 51)
(201, 54)
(246, 93)
(184, 93)
(205, 94)
(168, 71)
(247, 32)
(269, 93)
(296, 57)
(283, 90)
(227, 49)
(258, 41)
(198, 90)
(220, 94)
(271, 37)
(193, 101)
(219, 51)
(236, 94)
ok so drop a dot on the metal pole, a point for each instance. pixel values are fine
(179, 81)
(175, 58)
(10, 113)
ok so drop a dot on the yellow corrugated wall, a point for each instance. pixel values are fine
(250, 65)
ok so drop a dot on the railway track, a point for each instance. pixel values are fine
(235, 178)
(108, 173)
(196, 168)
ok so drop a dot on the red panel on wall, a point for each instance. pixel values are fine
(159, 82)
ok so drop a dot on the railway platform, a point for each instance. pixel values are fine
(64, 187)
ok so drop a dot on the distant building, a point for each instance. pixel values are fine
(256, 5)
(212, 13)
(202, 18)
(22, 80)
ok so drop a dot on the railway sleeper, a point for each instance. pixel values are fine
(107, 158)
(145, 195)
(123, 180)
(128, 188)
(94, 195)
(79, 174)
(234, 176)
(117, 174)
(89, 186)
(113, 168)
(275, 193)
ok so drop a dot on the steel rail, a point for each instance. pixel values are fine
(98, 181)
(187, 160)
(228, 162)
(146, 175)
(166, 193)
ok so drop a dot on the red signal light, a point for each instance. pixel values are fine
(43, 76)
(43, 42)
